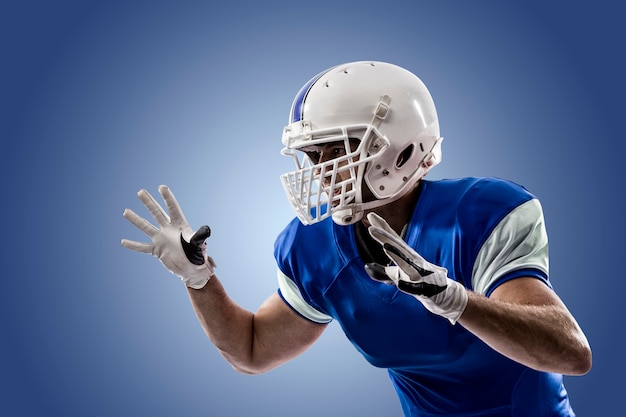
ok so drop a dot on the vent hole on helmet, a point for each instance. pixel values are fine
(404, 156)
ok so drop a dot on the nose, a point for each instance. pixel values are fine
(324, 172)
(326, 176)
(325, 156)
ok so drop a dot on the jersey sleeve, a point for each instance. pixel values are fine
(518, 246)
(289, 292)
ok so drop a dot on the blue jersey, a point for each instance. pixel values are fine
(485, 231)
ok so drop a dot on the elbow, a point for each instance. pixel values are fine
(576, 352)
(244, 371)
(250, 367)
(250, 370)
(571, 362)
(570, 356)
(248, 363)
(583, 362)
(580, 358)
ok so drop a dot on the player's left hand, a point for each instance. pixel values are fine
(181, 251)
(414, 275)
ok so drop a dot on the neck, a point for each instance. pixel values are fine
(398, 213)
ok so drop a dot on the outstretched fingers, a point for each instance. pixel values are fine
(377, 221)
(137, 246)
(387, 237)
(421, 288)
(141, 223)
(173, 208)
(153, 207)
(406, 260)
(385, 274)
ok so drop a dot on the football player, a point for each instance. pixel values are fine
(444, 283)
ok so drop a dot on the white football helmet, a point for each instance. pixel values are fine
(384, 108)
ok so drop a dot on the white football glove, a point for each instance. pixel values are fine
(414, 275)
(182, 252)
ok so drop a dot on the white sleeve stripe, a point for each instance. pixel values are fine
(519, 241)
(292, 296)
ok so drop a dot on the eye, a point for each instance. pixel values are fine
(339, 151)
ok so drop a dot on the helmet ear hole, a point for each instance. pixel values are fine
(404, 156)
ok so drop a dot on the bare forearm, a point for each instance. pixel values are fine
(252, 342)
(229, 326)
(543, 337)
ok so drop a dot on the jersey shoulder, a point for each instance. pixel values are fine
(477, 202)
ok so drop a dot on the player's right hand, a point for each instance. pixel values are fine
(412, 274)
(181, 251)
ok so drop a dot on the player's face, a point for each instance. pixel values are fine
(326, 152)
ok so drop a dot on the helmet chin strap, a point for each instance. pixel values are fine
(347, 216)
(354, 212)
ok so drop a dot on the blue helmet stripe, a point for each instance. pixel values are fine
(297, 108)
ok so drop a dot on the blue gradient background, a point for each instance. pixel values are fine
(100, 99)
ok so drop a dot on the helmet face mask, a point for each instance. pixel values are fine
(319, 188)
(383, 125)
